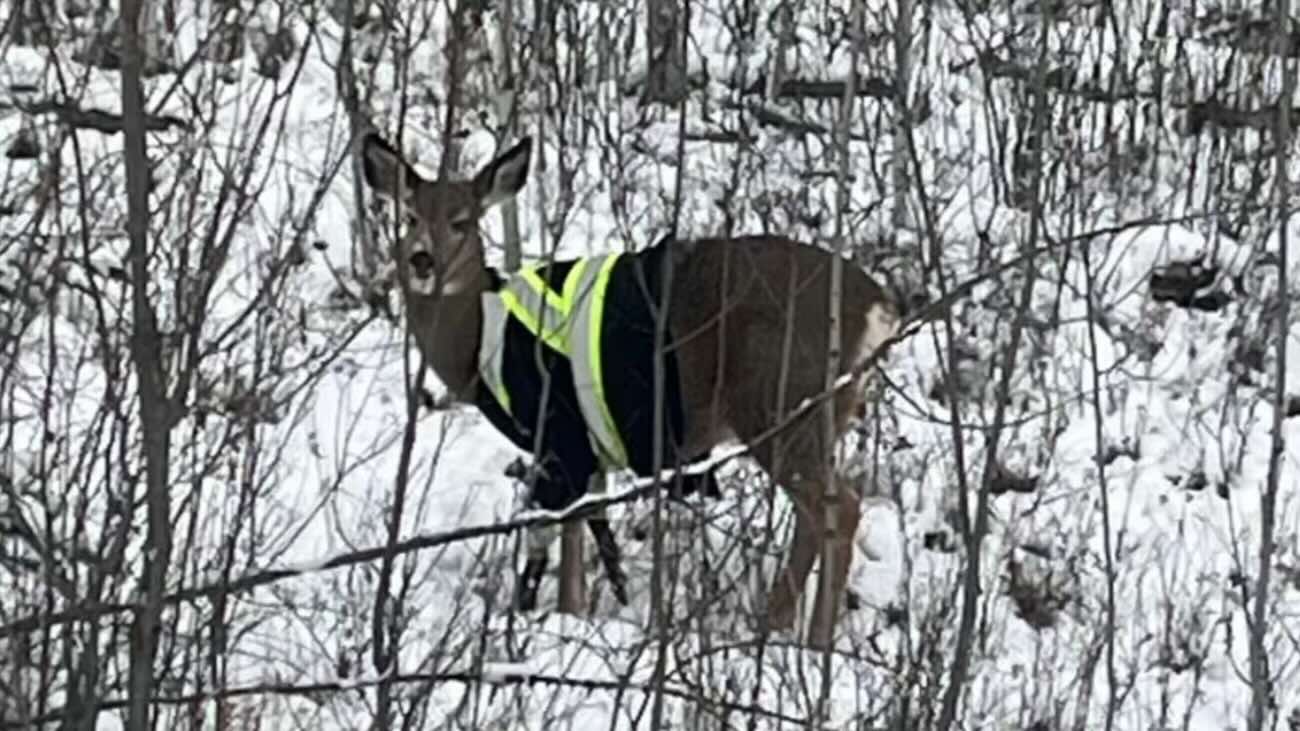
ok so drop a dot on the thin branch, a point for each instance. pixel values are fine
(973, 532)
(827, 605)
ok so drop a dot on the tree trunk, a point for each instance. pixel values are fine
(1263, 696)
(29, 26)
(155, 41)
(901, 217)
(225, 32)
(784, 20)
(104, 48)
(666, 54)
(506, 106)
(147, 356)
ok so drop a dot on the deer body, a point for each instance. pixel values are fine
(747, 320)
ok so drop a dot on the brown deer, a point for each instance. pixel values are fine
(749, 323)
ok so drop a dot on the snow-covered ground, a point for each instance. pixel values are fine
(1174, 399)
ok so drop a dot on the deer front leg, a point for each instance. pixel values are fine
(539, 540)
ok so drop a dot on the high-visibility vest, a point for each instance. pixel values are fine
(569, 322)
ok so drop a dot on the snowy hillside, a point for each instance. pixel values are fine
(1124, 519)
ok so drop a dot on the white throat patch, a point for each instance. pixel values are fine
(881, 326)
(424, 286)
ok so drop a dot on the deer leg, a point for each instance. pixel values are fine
(783, 601)
(834, 578)
(803, 470)
(610, 557)
(539, 540)
(607, 550)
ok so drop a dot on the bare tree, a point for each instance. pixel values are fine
(157, 408)
(1262, 700)
(836, 533)
(510, 86)
(666, 71)
(901, 182)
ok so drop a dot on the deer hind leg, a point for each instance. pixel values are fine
(788, 587)
(835, 578)
(846, 506)
(815, 513)
(793, 461)
(802, 467)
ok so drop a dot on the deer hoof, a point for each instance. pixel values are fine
(851, 600)
(525, 597)
(620, 591)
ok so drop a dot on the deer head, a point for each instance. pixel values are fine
(443, 250)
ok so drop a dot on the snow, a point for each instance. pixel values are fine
(319, 479)
(500, 672)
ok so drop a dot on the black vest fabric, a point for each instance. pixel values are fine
(566, 460)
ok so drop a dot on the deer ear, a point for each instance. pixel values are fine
(383, 166)
(504, 176)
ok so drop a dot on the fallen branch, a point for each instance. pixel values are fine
(867, 86)
(98, 119)
(337, 686)
(769, 116)
(1212, 112)
(1065, 80)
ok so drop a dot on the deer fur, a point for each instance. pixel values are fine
(750, 323)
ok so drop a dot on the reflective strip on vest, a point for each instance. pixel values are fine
(540, 315)
(492, 346)
(570, 323)
(584, 354)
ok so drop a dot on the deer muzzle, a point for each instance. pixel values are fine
(421, 263)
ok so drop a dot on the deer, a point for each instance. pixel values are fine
(747, 319)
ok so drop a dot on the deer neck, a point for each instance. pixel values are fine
(447, 327)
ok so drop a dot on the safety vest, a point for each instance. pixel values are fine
(570, 323)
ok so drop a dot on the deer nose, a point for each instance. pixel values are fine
(422, 264)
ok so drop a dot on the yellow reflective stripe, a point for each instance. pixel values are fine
(551, 336)
(543, 290)
(574, 318)
(597, 306)
(569, 298)
(587, 290)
